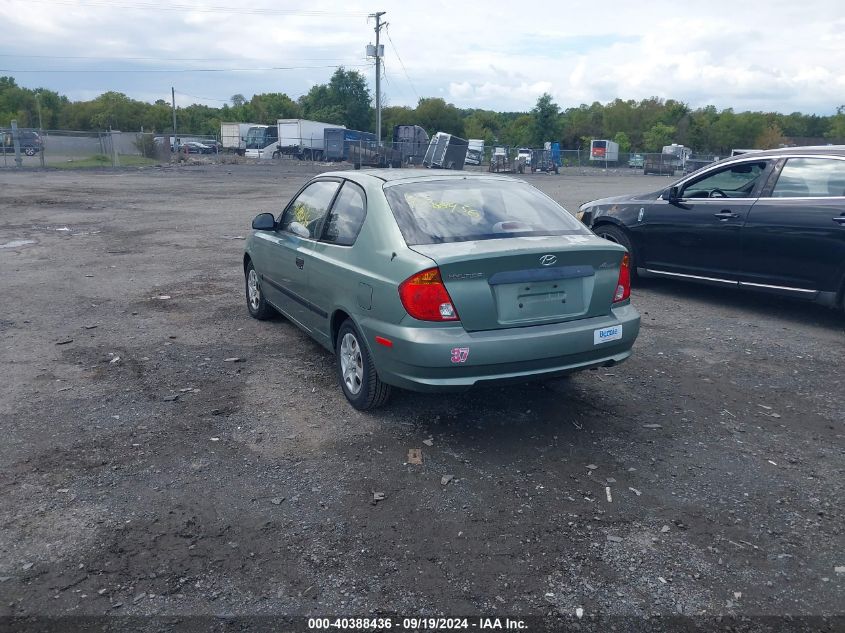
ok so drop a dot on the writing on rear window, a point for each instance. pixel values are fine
(466, 209)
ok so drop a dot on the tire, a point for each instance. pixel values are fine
(614, 234)
(277, 154)
(255, 303)
(355, 370)
(29, 151)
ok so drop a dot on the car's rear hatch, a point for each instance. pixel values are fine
(523, 281)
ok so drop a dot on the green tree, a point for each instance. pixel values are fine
(770, 138)
(345, 100)
(657, 136)
(545, 123)
(435, 115)
(483, 124)
(238, 100)
(349, 91)
(623, 141)
(836, 131)
(519, 132)
(267, 108)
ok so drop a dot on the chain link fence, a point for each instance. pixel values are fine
(25, 147)
(74, 149)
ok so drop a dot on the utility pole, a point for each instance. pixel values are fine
(38, 105)
(377, 52)
(173, 101)
(40, 128)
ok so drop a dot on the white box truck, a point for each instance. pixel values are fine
(233, 136)
(301, 138)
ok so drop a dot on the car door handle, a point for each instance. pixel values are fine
(725, 214)
(840, 219)
(300, 263)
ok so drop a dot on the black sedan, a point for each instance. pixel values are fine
(772, 221)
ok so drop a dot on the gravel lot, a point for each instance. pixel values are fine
(144, 474)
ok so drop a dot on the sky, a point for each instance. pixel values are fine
(779, 55)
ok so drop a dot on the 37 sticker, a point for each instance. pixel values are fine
(460, 354)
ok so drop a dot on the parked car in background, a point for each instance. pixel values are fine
(215, 146)
(636, 161)
(30, 142)
(437, 282)
(772, 221)
(195, 147)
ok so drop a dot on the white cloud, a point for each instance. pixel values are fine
(781, 55)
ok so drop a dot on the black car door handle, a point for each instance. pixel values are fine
(840, 219)
(725, 214)
(300, 263)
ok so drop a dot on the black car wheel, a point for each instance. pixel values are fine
(29, 151)
(255, 302)
(356, 372)
(619, 236)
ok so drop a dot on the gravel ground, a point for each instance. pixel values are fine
(146, 473)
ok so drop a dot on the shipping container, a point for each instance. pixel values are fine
(338, 140)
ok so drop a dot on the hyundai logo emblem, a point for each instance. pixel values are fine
(548, 260)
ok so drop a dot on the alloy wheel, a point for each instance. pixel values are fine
(253, 290)
(351, 363)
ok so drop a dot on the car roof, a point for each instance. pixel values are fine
(396, 175)
(813, 150)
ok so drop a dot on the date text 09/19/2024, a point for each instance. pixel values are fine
(416, 624)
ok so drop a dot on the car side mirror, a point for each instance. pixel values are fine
(672, 194)
(264, 222)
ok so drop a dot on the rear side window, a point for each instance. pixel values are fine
(466, 209)
(346, 217)
(811, 177)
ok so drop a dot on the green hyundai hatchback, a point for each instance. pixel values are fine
(435, 281)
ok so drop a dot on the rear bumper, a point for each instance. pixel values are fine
(421, 357)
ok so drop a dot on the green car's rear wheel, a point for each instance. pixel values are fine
(356, 372)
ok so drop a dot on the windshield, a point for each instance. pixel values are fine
(255, 138)
(461, 210)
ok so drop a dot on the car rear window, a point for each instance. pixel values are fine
(462, 210)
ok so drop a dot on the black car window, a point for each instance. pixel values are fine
(304, 215)
(734, 181)
(811, 177)
(346, 218)
(462, 210)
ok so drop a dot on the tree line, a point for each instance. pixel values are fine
(644, 126)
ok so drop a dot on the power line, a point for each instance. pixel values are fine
(401, 63)
(185, 94)
(133, 4)
(178, 70)
(160, 59)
